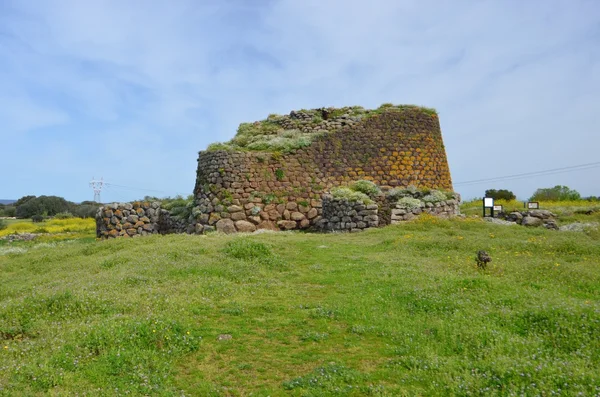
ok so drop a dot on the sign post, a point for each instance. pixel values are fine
(488, 202)
(533, 205)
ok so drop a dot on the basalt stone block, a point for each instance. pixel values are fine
(225, 226)
(237, 216)
(214, 218)
(268, 225)
(132, 218)
(286, 225)
(244, 226)
(297, 216)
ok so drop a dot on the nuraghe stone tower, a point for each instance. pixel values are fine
(274, 173)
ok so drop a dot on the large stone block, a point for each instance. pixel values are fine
(244, 226)
(225, 226)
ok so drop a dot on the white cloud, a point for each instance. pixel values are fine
(516, 83)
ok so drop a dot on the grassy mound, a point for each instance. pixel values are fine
(401, 310)
(286, 133)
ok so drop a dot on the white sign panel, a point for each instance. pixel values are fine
(498, 208)
(488, 202)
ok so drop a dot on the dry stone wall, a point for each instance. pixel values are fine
(444, 209)
(273, 190)
(127, 219)
(343, 215)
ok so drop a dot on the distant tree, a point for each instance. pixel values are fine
(8, 211)
(556, 193)
(49, 205)
(22, 200)
(87, 209)
(591, 198)
(501, 194)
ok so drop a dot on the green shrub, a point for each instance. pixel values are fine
(63, 215)
(398, 193)
(179, 207)
(409, 202)
(367, 187)
(501, 194)
(37, 218)
(350, 195)
(213, 147)
(3, 224)
(434, 196)
(556, 193)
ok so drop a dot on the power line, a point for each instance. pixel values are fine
(140, 189)
(553, 171)
(134, 188)
(97, 186)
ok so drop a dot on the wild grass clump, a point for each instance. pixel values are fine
(256, 139)
(350, 195)
(251, 251)
(358, 191)
(410, 202)
(270, 135)
(367, 187)
(243, 248)
(398, 193)
(434, 196)
(179, 207)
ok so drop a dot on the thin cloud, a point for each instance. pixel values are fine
(132, 90)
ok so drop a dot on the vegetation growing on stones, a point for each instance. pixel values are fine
(350, 195)
(434, 196)
(180, 207)
(367, 187)
(409, 202)
(287, 133)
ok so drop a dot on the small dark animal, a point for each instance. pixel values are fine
(483, 258)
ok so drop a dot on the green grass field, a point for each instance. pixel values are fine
(401, 310)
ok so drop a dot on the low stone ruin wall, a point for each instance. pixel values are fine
(257, 214)
(327, 215)
(533, 218)
(127, 219)
(443, 209)
(168, 224)
(344, 215)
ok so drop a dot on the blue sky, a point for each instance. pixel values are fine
(132, 90)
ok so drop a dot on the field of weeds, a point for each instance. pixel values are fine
(402, 310)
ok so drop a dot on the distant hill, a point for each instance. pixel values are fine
(7, 201)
